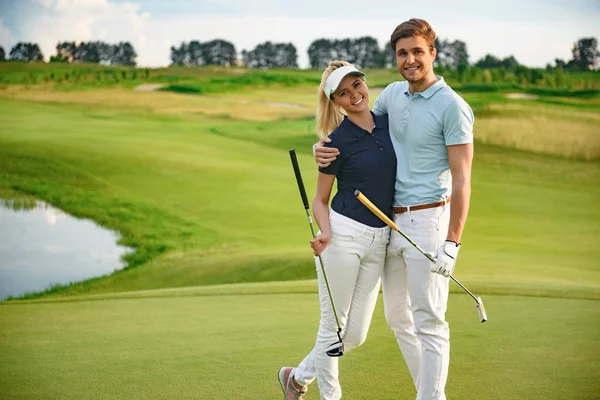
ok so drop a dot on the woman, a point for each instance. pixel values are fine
(352, 240)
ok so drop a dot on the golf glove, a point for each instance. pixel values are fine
(446, 258)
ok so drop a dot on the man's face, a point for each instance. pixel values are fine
(414, 58)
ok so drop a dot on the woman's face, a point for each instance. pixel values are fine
(352, 94)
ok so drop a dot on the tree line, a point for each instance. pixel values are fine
(364, 52)
(96, 52)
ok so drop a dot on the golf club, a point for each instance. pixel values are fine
(335, 349)
(363, 199)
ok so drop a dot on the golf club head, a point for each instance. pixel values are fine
(335, 350)
(481, 310)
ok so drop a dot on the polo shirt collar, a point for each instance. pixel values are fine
(431, 89)
(357, 130)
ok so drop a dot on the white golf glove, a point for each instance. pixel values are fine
(446, 258)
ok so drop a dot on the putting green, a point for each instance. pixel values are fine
(231, 346)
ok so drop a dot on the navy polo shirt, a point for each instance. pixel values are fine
(367, 162)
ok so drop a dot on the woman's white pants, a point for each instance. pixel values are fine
(353, 263)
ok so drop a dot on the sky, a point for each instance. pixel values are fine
(535, 32)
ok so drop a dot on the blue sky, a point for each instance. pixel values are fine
(535, 32)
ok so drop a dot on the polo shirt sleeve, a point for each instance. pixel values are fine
(381, 104)
(458, 123)
(336, 165)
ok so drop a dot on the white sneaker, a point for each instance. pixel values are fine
(286, 380)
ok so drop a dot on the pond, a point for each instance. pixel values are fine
(41, 246)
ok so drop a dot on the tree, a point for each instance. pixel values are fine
(179, 54)
(287, 55)
(219, 52)
(524, 74)
(67, 51)
(486, 76)
(320, 53)
(489, 61)
(215, 52)
(510, 62)
(26, 52)
(87, 52)
(363, 52)
(460, 55)
(271, 55)
(123, 53)
(440, 47)
(560, 63)
(2, 54)
(585, 54)
(96, 52)
(386, 57)
(195, 53)
(451, 54)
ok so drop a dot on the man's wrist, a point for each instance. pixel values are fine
(457, 244)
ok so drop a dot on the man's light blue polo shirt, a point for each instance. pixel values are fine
(421, 126)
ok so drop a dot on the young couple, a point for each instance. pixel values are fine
(411, 156)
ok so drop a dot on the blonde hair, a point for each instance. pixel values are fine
(329, 117)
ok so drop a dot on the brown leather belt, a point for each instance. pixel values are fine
(400, 210)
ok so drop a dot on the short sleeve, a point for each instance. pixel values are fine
(336, 165)
(458, 123)
(381, 104)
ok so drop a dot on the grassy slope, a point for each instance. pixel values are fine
(221, 197)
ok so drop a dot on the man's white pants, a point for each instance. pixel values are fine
(415, 299)
(353, 263)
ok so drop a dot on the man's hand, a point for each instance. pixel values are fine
(325, 155)
(446, 258)
(320, 243)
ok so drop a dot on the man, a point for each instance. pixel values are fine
(432, 132)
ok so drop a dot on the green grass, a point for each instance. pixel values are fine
(231, 346)
(212, 201)
(248, 80)
(215, 79)
(209, 201)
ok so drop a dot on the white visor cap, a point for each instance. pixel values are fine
(335, 78)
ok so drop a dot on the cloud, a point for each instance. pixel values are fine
(83, 20)
(7, 40)
(534, 37)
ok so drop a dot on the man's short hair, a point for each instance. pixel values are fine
(414, 27)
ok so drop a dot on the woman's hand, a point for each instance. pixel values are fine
(320, 243)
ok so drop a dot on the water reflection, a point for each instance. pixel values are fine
(41, 245)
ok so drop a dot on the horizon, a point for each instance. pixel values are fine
(536, 35)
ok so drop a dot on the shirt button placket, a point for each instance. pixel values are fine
(407, 112)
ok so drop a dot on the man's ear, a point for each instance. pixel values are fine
(434, 54)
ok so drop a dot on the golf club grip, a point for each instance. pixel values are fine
(361, 197)
(299, 178)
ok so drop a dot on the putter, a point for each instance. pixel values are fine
(363, 199)
(335, 349)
